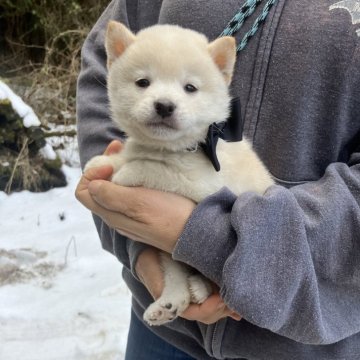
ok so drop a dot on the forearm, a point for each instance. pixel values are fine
(95, 128)
(285, 260)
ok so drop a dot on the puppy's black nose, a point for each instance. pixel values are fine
(164, 109)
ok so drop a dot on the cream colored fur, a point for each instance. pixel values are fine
(156, 154)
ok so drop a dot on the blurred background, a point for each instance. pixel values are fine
(40, 43)
(61, 295)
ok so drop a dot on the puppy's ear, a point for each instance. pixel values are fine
(223, 52)
(118, 38)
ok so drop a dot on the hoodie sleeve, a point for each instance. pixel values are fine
(95, 128)
(288, 261)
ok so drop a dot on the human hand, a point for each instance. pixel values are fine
(150, 273)
(104, 173)
(153, 217)
(210, 311)
(156, 215)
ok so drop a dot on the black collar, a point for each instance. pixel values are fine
(230, 130)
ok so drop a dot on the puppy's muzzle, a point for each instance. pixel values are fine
(164, 108)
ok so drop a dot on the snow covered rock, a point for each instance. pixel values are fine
(25, 112)
(27, 160)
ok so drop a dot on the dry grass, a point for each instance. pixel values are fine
(43, 39)
(40, 44)
(49, 87)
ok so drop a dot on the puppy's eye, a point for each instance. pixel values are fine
(190, 88)
(143, 83)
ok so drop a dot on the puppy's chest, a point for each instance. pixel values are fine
(188, 174)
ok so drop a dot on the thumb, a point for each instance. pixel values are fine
(98, 173)
(149, 271)
(114, 147)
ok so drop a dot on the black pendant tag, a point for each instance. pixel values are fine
(230, 130)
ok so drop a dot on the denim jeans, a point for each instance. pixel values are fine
(145, 345)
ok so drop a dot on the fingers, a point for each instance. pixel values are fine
(126, 200)
(149, 271)
(103, 172)
(122, 223)
(235, 316)
(202, 312)
(82, 194)
(114, 147)
(116, 215)
(129, 234)
(97, 173)
(210, 311)
(126, 226)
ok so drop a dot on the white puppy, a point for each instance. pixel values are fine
(166, 85)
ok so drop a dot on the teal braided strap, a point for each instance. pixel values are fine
(238, 20)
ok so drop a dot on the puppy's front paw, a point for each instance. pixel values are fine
(97, 161)
(200, 288)
(121, 178)
(128, 176)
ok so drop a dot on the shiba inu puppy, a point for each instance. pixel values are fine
(166, 85)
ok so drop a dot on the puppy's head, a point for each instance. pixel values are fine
(168, 84)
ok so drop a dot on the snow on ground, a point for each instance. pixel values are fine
(61, 296)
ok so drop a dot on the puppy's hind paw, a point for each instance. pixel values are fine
(159, 312)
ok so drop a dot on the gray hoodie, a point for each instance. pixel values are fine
(288, 261)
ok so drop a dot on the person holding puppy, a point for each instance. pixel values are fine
(285, 263)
